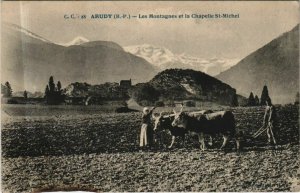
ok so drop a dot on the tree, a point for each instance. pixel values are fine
(47, 91)
(25, 94)
(6, 90)
(51, 84)
(251, 100)
(3, 89)
(265, 96)
(144, 94)
(9, 90)
(235, 102)
(297, 99)
(256, 100)
(54, 95)
(58, 86)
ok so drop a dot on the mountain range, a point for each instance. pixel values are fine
(276, 65)
(162, 58)
(28, 60)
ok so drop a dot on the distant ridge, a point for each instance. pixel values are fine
(28, 60)
(276, 64)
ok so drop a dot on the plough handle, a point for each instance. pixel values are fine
(258, 130)
(259, 133)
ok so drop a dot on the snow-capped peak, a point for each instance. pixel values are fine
(76, 41)
(153, 54)
(163, 58)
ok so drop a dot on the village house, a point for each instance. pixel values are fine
(125, 84)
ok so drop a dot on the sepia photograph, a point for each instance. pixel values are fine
(150, 96)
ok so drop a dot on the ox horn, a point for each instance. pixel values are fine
(174, 111)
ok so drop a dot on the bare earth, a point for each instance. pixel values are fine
(99, 152)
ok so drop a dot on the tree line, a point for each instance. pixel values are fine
(255, 101)
(54, 94)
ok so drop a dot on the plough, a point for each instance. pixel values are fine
(259, 131)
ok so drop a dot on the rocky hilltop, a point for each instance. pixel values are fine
(179, 84)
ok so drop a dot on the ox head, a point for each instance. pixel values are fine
(162, 121)
(180, 119)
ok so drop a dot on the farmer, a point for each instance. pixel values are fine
(270, 120)
(146, 136)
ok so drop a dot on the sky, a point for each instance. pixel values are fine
(258, 24)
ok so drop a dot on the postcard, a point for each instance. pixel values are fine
(150, 96)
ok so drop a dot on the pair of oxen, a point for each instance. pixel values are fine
(199, 123)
